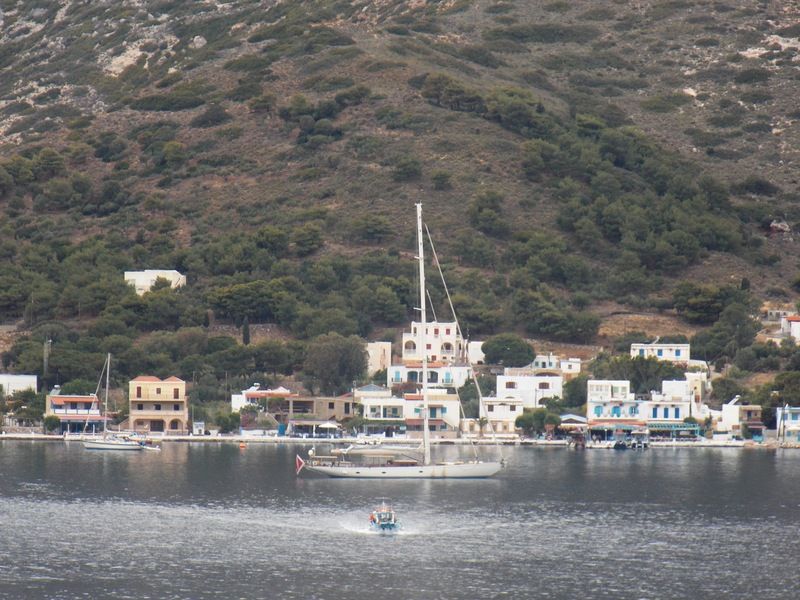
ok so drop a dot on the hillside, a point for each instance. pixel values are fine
(575, 159)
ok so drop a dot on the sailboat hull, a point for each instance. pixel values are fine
(109, 445)
(467, 470)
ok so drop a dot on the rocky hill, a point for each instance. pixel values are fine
(574, 158)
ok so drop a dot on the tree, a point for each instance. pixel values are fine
(333, 362)
(509, 350)
(482, 422)
(51, 423)
(531, 421)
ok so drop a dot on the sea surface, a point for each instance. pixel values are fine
(214, 521)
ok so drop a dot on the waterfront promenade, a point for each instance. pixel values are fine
(346, 441)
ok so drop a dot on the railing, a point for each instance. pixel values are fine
(75, 411)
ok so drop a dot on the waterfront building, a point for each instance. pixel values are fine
(394, 415)
(76, 412)
(736, 417)
(787, 419)
(256, 396)
(501, 415)
(158, 406)
(11, 383)
(528, 388)
(611, 407)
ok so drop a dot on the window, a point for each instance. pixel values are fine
(511, 385)
(176, 407)
(641, 351)
(157, 407)
(655, 412)
(73, 405)
(490, 408)
(616, 411)
(677, 352)
(448, 378)
(512, 408)
(444, 410)
(396, 377)
(436, 331)
(660, 352)
(633, 410)
(447, 331)
(176, 393)
(677, 412)
(331, 405)
(794, 416)
(666, 412)
(158, 391)
(140, 406)
(598, 410)
(347, 408)
(544, 385)
(427, 346)
(138, 391)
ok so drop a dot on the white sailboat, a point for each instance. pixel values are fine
(114, 441)
(404, 468)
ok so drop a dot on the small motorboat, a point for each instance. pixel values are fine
(383, 518)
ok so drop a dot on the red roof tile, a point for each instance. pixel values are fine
(146, 378)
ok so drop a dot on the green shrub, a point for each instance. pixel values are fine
(407, 168)
(666, 102)
(545, 33)
(213, 115)
(752, 75)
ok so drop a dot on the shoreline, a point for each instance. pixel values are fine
(262, 439)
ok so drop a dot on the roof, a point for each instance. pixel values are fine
(372, 388)
(573, 417)
(150, 378)
(173, 378)
(59, 400)
(79, 418)
(793, 318)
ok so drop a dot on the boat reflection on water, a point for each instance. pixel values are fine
(383, 518)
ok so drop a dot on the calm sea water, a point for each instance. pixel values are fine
(208, 521)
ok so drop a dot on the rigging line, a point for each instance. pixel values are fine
(430, 301)
(459, 333)
(96, 396)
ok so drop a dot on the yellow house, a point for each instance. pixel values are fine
(158, 405)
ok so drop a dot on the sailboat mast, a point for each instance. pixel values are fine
(426, 442)
(105, 397)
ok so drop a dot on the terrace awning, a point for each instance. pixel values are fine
(674, 426)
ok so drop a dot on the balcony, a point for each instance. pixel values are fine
(75, 411)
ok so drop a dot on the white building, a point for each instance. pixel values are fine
(16, 383)
(735, 415)
(379, 357)
(790, 326)
(254, 395)
(529, 389)
(501, 414)
(674, 353)
(788, 423)
(404, 415)
(443, 344)
(143, 281)
(439, 374)
(611, 401)
(475, 355)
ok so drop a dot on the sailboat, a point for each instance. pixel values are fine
(110, 442)
(393, 467)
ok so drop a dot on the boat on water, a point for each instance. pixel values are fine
(385, 463)
(383, 518)
(114, 441)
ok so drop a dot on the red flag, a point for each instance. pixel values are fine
(299, 463)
